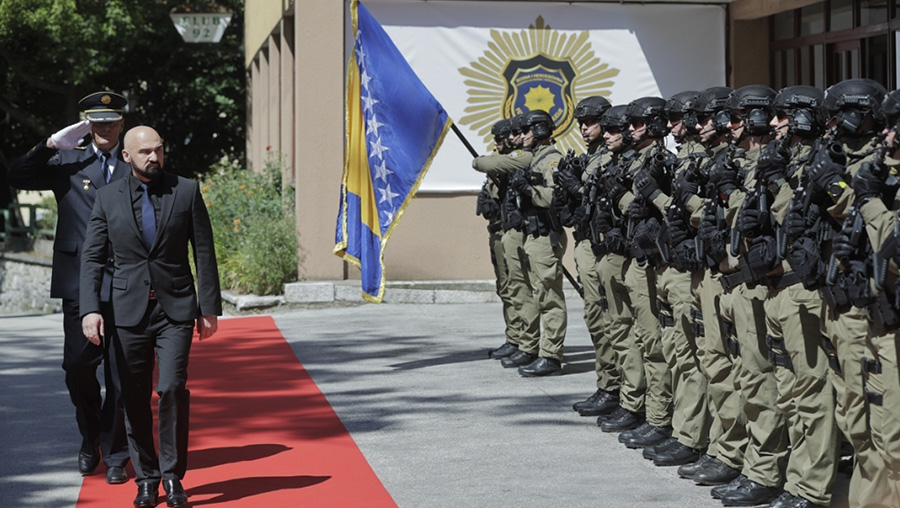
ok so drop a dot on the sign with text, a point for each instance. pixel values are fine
(201, 26)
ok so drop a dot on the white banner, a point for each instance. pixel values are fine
(484, 61)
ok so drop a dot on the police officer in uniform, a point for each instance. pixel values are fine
(717, 349)
(854, 123)
(74, 173)
(677, 279)
(876, 188)
(792, 310)
(736, 181)
(501, 167)
(545, 242)
(581, 194)
(488, 206)
(609, 220)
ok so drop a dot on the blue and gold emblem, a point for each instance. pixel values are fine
(540, 82)
(535, 68)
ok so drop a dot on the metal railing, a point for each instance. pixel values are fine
(27, 227)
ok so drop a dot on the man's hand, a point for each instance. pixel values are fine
(68, 138)
(520, 183)
(207, 326)
(646, 186)
(92, 327)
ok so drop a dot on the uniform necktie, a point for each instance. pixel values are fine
(148, 218)
(104, 163)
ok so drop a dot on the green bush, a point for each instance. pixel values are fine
(254, 227)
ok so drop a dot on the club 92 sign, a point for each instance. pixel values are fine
(201, 26)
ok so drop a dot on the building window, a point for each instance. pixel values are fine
(829, 41)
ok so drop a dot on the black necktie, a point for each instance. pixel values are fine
(148, 218)
(104, 163)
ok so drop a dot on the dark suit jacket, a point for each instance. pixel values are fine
(113, 229)
(65, 172)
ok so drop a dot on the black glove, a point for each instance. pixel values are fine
(771, 164)
(646, 186)
(567, 182)
(678, 232)
(519, 183)
(725, 177)
(841, 248)
(486, 206)
(614, 189)
(824, 171)
(637, 210)
(749, 222)
(603, 220)
(684, 189)
(709, 227)
(866, 183)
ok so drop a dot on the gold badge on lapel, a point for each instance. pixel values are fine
(87, 184)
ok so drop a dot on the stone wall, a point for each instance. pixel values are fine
(25, 284)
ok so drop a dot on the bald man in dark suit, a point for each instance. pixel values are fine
(145, 223)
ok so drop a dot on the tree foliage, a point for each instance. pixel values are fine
(53, 52)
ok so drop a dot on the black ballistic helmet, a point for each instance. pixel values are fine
(850, 100)
(540, 122)
(652, 112)
(713, 102)
(517, 124)
(803, 105)
(615, 118)
(502, 128)
(755, 105)
(680, 104)
(591, 107)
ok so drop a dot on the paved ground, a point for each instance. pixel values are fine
(441, 425)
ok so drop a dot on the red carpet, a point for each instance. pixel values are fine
(262, 434)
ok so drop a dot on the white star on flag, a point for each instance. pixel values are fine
(378, 148)
(382, 172)
(387, 195)
(369, 102)
(364, 79)
(373, 124)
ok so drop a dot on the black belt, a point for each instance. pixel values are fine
(731, 280)
(494, 227)
(783, 281)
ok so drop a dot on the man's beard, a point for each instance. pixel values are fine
(152, 172)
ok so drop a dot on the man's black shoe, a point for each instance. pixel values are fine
(750, 494)
(654, 436)
(624, 420)
(736, 483)
(715, 472)
(88, 458)
(503, 351)
(785, 500)
(148, 495)
(607, 415)
(677, 456)
(517, 359)
(601, 402)
(175, 495)
(116, 475)
(666, 444)
(602, 406)
(637, 431)
(541, 367)
(688, 471)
